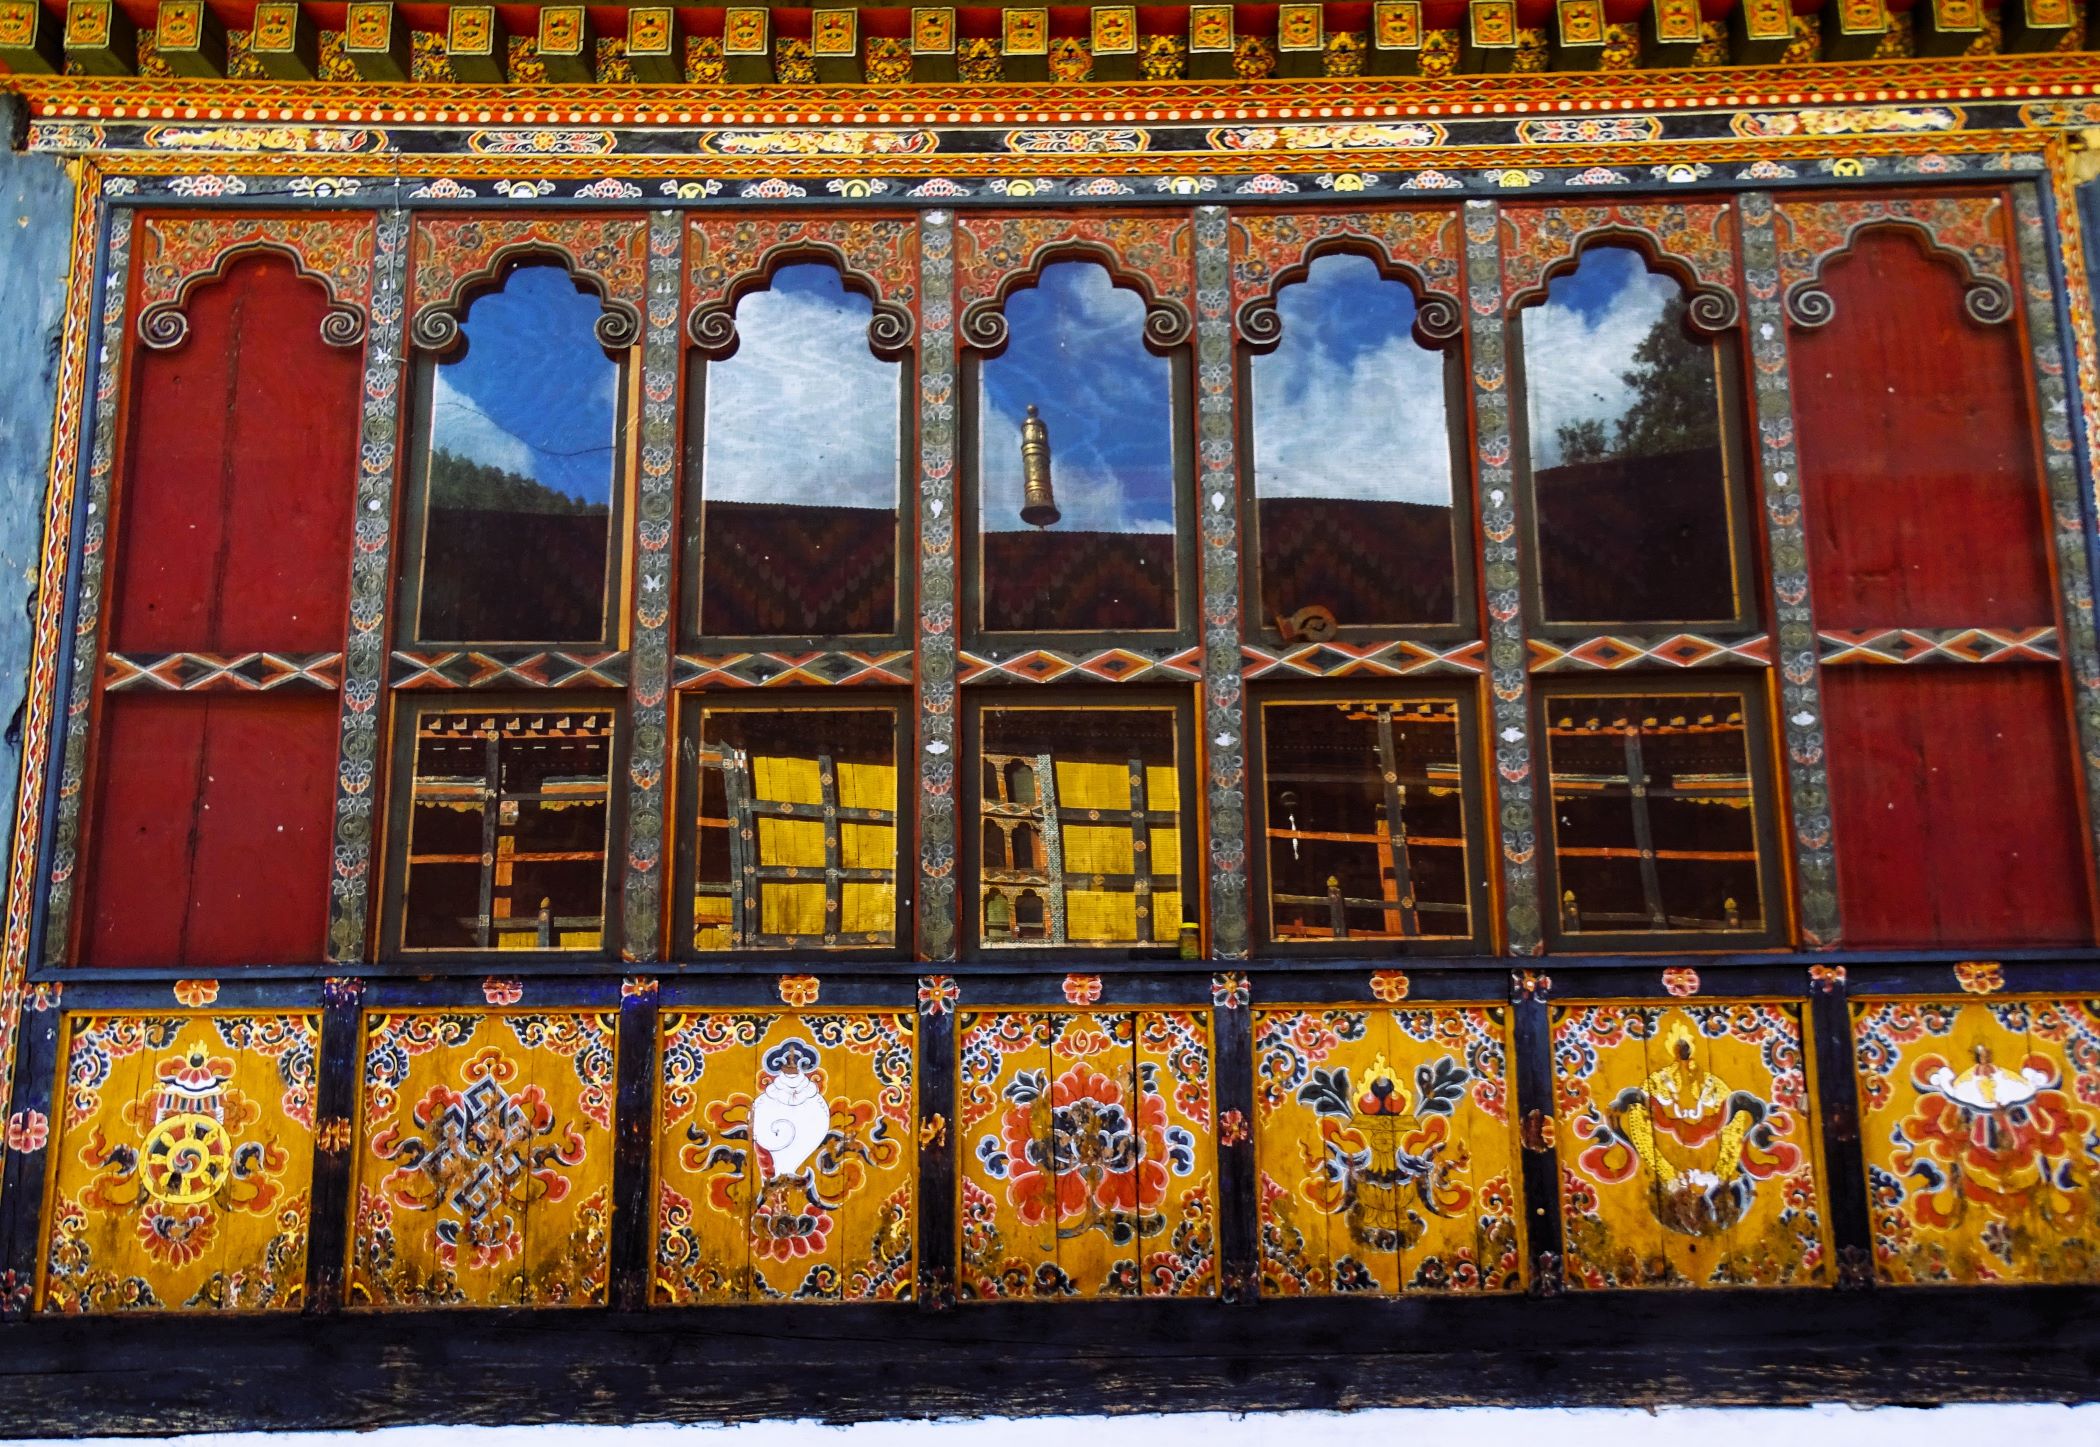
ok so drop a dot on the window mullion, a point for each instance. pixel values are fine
(1786, 550)
(359, 767)
(1509, 678)
(655, 509)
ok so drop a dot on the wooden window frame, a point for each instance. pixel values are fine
(1774, 885)
(684, 850)
(414, 492)
(1458, 429)
(1482, 872)
(969, 920)
(1737, 479)
(408, 708)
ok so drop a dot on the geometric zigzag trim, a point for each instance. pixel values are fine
(1110, 665)
(509, 668)
(1850, 646)
(222, 672)
(1373, 660)
(1679, 650)
(839, 668)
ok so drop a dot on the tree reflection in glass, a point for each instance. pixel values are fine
(523, 442)
(1628, 469)
(1352, 455)
(799, 469)
(1076, 353)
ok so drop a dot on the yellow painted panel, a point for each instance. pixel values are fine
(1385, 1155)
(1177, 1243)
(1978, 1123)
(1088, 1152)
(484, 1159)
(1687, 1145)
(785, 1159)
(183, 1164)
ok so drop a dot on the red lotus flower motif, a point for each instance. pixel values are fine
(1980, 977)
(1681, 982)
(798, 990)
(500, 991)
(1994, 1133)
(1082, 1156)
(26, 1130)
(196, 993)
(1082, 989)
(1389, 986)
(177, 1235)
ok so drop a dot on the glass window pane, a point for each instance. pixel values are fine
(507, 838)
(800, 467)
(1654, 819)
(1352, 455)
(519, 477)
(797, 828)
(1628, 470)
(1079, 824)
(1366, 825)
(1076, 354)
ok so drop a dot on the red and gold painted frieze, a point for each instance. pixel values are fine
(1687, 1145)
(1386, 1149)
(484, 1159)
(182, 1162)
(178, 252)
(786, 1157)
(1980, 1125)
(1273, 249)
(1540, 240)
(453, 254)
(728, 256)
(1089, 1152)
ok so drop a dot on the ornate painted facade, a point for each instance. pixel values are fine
(598, 1000)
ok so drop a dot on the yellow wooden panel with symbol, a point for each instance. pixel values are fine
(183, 1166)
(1386, 1157)
(1687, 1146)
(484, 1159)
(786, 1167)
(1088, 1154)
(1980, 1124)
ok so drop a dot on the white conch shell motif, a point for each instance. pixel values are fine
(790, 1118)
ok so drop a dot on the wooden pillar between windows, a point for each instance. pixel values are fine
(941, 770)
(362, 731)
(1793, 624)
(656, 530)
(1224, 748)
(1509, 680)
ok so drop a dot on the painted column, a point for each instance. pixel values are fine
(938, 738)
(1793, 625)
(1509, 679)
(359, 773)
(1224, 714)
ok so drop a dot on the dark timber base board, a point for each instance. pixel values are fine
(1914, 1346)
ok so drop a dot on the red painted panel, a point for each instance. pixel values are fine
(1955, 807)
(211, 833)
(1924, 507)
(234, 523)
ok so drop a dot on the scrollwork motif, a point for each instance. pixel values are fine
(1420, 247)
(1965, 231)
(456, 256)
(1694, 239)
(177, 254)
(730, 258)
(995, 256)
